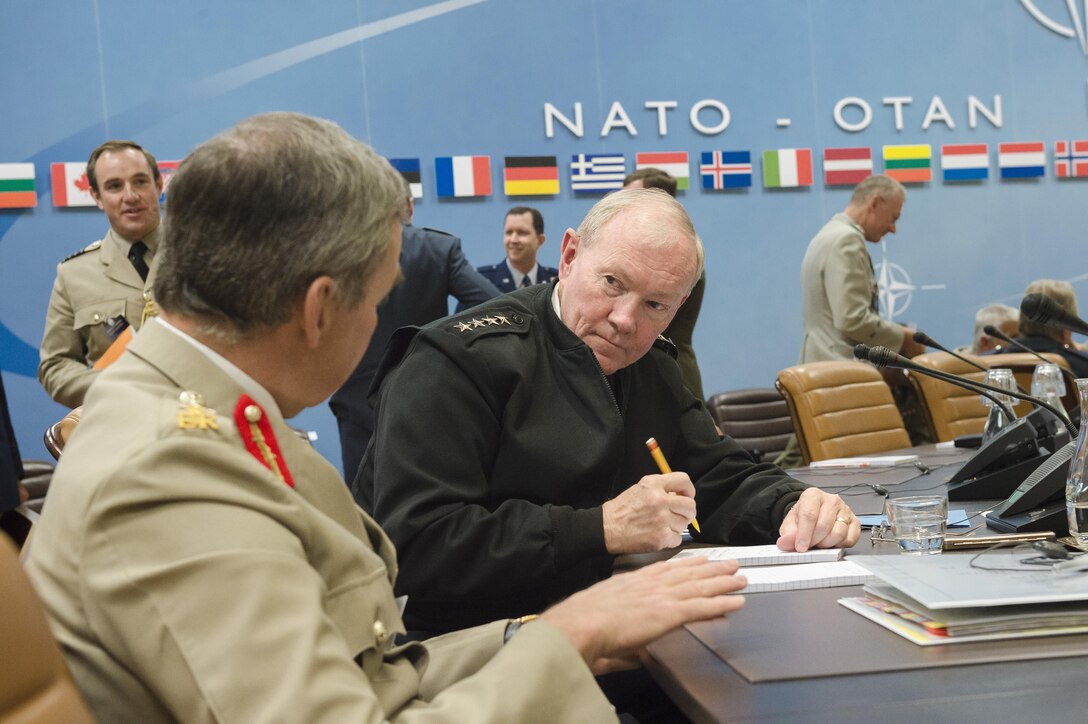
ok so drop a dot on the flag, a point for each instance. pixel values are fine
(597, 172)
(787, 168)
(673, 163)
(409, 169)
(1070, 159)
(463, 175)
(847, 166)
(726, 169)
(531, 176)
(17, 186)
(166, 171)
(908, 164)
(70, 184)
(965, 161)
(1022, 160)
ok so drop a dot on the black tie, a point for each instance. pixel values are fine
(136, 256)
(526, 281)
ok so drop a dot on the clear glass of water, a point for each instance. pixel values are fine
(918, 523)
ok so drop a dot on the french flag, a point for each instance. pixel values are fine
(1022, 160)
(463, 176)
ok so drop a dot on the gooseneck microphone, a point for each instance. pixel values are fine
(884, 357)
(995, 332)
(1044, 310)
(922, 338)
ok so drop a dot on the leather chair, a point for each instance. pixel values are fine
(57, 434)
(35, 685)
(841, 409)
(757, 418)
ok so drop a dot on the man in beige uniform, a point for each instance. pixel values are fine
(106, 285)
(199, 562)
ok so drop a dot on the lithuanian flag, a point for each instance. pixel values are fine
(908, 164)
(531, 176)
(17, 186)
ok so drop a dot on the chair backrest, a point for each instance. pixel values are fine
(34, 682)
(841, 409)
(57, 434)
(757, 418)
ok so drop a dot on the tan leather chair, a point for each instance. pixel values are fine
(57, 434)
(841, 409)
(757, 418)
(34, 682)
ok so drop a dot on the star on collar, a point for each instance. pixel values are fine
(463, 326)
(478, 323)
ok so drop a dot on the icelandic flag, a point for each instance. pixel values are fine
(1022, 160)
(70, 184)
(590, 172)
(965, 161)
(460, 176)
(409, 169)
(1071, 159)
(726, 169)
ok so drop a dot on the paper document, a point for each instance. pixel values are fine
(798, 576)
(768, 555)
(877, 461)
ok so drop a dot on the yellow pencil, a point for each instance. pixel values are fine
(663, 466)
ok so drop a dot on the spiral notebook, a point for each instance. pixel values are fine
(769, 569)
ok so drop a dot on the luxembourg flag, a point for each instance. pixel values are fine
(965, 161)
(70, 184)
(463, 176)
(1022, 160)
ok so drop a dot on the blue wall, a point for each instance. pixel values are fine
(419, 78)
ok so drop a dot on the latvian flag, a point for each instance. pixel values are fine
(166, 171)
(17, 186)
(1070, 159)
(847, 166)
(531, 176)
(70, 184)
(726, 169)
(409, 169)
(462, 176)
(592, 172)
(965, 161)
(674, 164)
(1022, 160)
(908, 164)
(787, 168)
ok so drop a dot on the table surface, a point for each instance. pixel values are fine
(811, 624)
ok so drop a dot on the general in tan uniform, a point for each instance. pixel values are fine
(199, 562)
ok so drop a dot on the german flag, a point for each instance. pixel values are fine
(531, 176)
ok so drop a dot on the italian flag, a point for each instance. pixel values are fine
(17, 186)
(787, 168)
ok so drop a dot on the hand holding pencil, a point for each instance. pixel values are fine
(663, 466)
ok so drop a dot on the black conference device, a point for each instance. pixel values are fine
(1039, 502)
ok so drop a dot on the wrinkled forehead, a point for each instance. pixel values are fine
(651, 236)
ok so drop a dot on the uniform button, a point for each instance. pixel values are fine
(379, 632)
(517, 318)
(97, 316)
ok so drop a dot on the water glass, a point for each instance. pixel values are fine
(1047, 383)
(918, 523)
(1000, 377)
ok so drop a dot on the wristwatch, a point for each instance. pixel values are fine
(515, 624)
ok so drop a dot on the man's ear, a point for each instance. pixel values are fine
(97, 199)
(568, 249)
(315, 312)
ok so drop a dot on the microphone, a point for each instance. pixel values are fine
(922, 338)
(884, 357)
(1044, 310)
(995, 332)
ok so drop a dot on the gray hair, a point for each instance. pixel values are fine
(995, 314)
(1062, 293)
(883, 186)
(261, 210)
(666, 214)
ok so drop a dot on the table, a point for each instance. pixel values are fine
(810, 624)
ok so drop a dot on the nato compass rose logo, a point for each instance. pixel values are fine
(896, 289)
(1076, 17)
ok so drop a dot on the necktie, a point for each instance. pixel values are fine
(526, 281)
(136, 256)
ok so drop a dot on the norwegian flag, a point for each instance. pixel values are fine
(1071, 159)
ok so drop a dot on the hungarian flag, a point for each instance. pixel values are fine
(409, 169)
(166, 170)
(531, 176)
(70, 184)
(1071, 159)
(462, 176)
(847, 166)
(17, 186)
(1022, 160)
(674, 163)
(908, 164)
(787, 168)
(965, 161)
(726, 169)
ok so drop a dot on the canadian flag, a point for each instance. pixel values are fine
(70, 184)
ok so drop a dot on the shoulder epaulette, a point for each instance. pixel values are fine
(436, 231)
(667, 345)
(480, 324)
(93, 246)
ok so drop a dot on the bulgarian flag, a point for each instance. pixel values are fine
(17, 186)
(674, 163)
(70, 184)
(787, 168)
(909, 164)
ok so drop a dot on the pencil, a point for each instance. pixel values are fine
(663, 466)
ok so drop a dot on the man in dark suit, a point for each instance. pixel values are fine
(432, 268)
(522, 235)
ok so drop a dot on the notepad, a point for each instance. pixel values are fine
(795, 577)
(860, 463)
(768, 555)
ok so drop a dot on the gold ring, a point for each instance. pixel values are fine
(843, 520)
